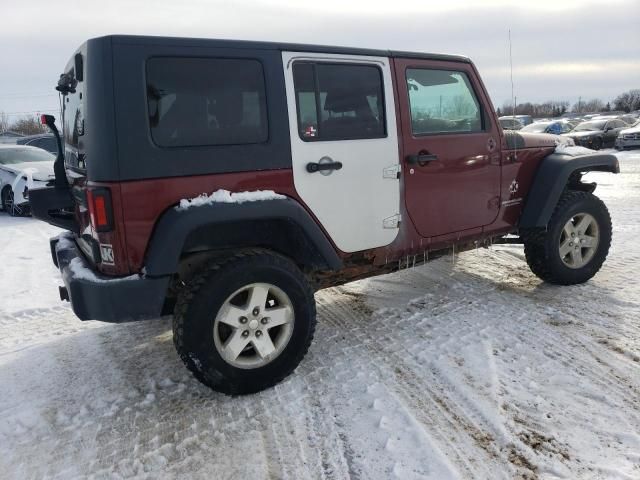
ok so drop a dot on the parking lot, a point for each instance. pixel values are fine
(468, 367)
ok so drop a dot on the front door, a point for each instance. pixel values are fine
(344, 145)
(451, 147)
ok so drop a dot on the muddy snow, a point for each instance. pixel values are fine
(465, 368)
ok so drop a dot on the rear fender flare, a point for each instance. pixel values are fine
(551, 180)
(195, 229)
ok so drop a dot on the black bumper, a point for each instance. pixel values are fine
(98, 297)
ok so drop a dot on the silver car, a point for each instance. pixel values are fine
(629, 137)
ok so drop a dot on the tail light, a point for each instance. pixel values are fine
(100, 209)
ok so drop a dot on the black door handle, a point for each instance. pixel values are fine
(313, 167)
(421, 158)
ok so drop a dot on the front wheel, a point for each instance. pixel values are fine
(575, 243)
(8, 203)
(244, 323)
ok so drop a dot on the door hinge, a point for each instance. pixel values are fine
(391, 222)
(392, 172)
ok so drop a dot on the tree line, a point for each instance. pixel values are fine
(625, 102)
(28, 125)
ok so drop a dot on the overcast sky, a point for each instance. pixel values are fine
(562, 49)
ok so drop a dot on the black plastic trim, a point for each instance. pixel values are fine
(55, 206)
(108, 299)
(174, 227)
(551, 180)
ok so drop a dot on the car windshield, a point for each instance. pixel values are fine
(590, 126)
(539, 127)
(10, 156)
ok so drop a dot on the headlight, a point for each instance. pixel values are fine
(25, 193)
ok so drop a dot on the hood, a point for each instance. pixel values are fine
(517, 139)
(583, 134)
(41, 171)
(626, 131)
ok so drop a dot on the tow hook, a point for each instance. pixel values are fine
(64, 293)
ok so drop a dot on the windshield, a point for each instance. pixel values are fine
(539, 127)
(590, 126)
(11, 156)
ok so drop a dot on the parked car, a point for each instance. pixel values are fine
(554, 127)
(628, 137)
(296, 147)
(46, 142)
(628, 119)
(597, 134)
(510, 123)
(524, 119)
(22, 168)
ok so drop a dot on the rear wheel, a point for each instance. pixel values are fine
(575, 243)
(244, 323)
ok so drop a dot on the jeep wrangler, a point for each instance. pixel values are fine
(224, 182)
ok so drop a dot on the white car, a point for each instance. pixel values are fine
(629, 137)
(22, 168)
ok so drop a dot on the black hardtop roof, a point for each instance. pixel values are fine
(294, 47)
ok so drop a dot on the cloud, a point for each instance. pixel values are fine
(561, 49)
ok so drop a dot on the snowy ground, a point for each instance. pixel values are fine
(465, 369)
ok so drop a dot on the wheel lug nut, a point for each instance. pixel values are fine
(264, 321)
(245, 333)
(243, 319)
(571, 244)
(258, 333)
(256, 311)
(573, 234)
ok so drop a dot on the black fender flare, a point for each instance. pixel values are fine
(176, 225)
(552, 178)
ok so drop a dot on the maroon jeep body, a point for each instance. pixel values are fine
(226, 181)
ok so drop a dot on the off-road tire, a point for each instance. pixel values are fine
(203, 295)
(541, 247)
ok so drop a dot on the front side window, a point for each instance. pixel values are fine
(442, 101)
(206, 101)
(339, 101)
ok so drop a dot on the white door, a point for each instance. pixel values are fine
(342, 114)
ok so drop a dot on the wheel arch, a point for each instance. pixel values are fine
(281, 225)
(558, 172)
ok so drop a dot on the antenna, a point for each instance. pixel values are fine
(513, 98)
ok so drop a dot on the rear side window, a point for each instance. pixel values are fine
(339, 101)
(206, 101)
(442, 101)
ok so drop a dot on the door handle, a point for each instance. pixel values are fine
(313, 167)
(421, 159)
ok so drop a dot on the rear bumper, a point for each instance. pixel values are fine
(98, 297)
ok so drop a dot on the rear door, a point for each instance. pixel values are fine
(344, 145)
(451, 147)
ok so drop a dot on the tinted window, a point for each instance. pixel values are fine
(442, 101)
(339, 101)
(206, 101)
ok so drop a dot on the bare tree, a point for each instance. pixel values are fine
(4, 122)
(461, 106)
(628, 101)
(28, 126)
